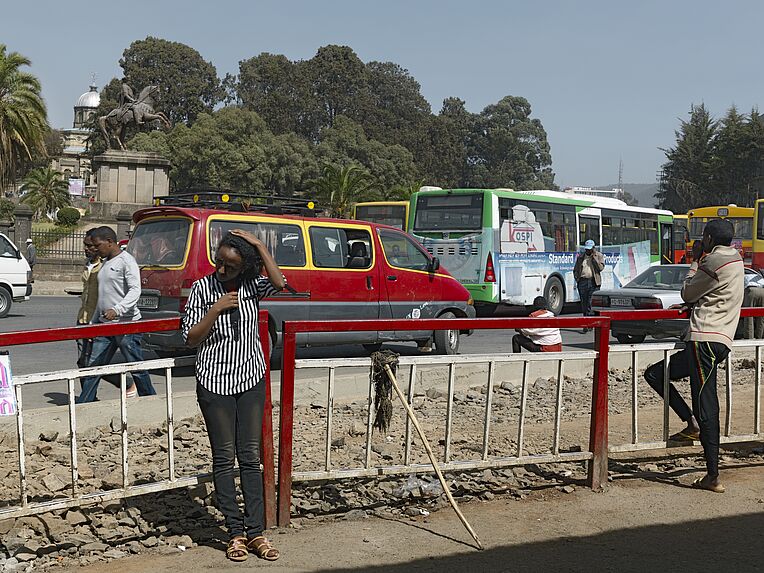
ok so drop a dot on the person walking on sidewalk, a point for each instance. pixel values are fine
(538, 339)
(587, 274)
(119, 286)
(31, 255)
(222, 321)
(713, 292)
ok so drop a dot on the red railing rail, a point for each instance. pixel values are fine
(598, 439)
(168, 324)
(745, 312)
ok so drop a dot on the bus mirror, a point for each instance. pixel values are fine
(434, 264)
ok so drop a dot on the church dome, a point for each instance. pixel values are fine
(89, 99)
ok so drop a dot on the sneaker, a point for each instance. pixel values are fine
(131, 392)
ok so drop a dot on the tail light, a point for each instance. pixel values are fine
(648, 303)
(600, 300)
(490, 275)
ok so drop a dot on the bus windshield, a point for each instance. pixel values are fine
(393, 215)
(743, 227)
(449, 212)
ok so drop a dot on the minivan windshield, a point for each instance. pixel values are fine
(160, 242)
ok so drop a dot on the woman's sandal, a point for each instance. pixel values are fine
(261, 547)
(237, 549)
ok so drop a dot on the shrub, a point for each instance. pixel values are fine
(67, 217)
(7, 207)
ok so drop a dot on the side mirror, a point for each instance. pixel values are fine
(434, 264)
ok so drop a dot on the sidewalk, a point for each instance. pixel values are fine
(55, 288)
(647, 522)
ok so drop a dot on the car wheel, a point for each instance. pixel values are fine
(6, 300)
(446, 341)
(630, 338)
(372, 348)
(554, 293)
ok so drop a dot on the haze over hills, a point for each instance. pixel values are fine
(644, 193)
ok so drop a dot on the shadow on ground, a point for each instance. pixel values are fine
(724, 544)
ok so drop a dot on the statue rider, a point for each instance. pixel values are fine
(127, 100)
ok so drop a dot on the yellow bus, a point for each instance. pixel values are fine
(680, 238)
(393, 213)
(740, 217)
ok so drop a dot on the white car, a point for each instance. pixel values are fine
(659, 287)
(15, 276)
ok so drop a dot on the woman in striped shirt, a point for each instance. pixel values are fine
(221, 319)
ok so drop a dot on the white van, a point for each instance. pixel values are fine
(15, 276)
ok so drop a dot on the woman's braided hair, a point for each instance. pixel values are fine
(252, 263)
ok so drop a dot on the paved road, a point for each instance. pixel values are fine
(52, 312)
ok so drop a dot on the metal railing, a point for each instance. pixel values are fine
(59, 244)
(76, 497)
(595, 454)
(666, 348)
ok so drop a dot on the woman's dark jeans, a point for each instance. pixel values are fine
(234, 424)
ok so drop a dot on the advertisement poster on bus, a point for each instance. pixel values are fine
(7, 395)
(523, 274)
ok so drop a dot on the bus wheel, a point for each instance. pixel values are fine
(554, 293)
(446, 341)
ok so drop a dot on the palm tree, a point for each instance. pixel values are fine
(341, 186)
(23, 118)
(45, 191)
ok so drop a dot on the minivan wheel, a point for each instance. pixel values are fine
(630, 338)
(554, 293)
(6, 300)
(446, 341)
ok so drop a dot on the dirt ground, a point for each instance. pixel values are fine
(642, 522)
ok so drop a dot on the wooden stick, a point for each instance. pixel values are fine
(434, 463)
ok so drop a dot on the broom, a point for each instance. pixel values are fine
(384, 364)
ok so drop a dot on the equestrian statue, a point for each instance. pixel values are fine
(134, 110)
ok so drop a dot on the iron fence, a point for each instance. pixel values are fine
(59, 244)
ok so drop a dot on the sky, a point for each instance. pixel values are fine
(609, 80)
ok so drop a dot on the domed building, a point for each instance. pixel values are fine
(73, 163)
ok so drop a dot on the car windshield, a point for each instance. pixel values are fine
(660, 278)
(160, 242)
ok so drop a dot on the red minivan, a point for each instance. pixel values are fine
(337, 270)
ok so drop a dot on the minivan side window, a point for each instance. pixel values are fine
(284, 241)
(7, 249)
(339, 248)
(403, 252)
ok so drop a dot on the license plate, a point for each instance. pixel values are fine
(620, 302)
(149, 302)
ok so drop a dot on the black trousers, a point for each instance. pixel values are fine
(699, 361)
(234, 424)
(521, 341)
(586, 288)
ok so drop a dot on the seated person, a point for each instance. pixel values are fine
(538, 339)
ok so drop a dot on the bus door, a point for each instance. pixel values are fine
(589, 226)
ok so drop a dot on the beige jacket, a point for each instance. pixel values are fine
(714, 286)
(89, 298)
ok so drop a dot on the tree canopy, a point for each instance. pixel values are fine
(283, 119)
(23, 117)
(714, 162)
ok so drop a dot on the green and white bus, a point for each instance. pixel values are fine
(508, 247)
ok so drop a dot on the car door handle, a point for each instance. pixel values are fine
(369, 285)
(392, 277)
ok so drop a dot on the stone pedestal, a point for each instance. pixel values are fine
(129, 180)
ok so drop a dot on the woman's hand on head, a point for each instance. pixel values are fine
(249, 237)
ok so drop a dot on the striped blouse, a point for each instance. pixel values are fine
(230, 360)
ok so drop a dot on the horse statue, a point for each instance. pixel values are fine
(113, 124)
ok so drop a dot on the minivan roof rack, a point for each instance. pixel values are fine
(240, 202)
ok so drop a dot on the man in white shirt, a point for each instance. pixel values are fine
(538, 339)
